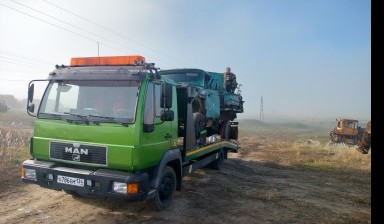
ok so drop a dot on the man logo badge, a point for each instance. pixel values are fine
(76, 157)
(76, 149)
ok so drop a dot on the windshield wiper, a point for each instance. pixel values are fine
(100, 118)
(48, 115)
(108, 119)
(82, 117)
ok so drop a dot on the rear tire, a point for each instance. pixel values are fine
(234, 132)
(225, 130)
(165, 190)
(218, 163)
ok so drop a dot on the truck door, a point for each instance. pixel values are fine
(156, 135)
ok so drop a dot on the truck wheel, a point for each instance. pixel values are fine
(234, 132)
(165, 190)
(218, 163)
(225, 130)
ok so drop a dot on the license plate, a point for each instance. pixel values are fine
(70, 181)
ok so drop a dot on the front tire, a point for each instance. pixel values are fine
(165, 190)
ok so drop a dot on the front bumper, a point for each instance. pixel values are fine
(95, 183)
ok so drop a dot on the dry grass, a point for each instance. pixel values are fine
(307, 150)
(13, 147)
(324, 157)
(13, 151)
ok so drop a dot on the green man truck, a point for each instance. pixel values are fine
(120, 127)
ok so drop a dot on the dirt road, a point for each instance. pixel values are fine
(251, 188)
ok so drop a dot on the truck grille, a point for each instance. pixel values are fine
(76, 152)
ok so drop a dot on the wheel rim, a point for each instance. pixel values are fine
(166, 188)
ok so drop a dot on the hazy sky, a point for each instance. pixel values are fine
(306, 58)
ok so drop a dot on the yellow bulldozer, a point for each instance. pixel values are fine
(347, 131)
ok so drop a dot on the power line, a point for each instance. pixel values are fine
(35, 60)
(15, 62)
(52, 24)
(80, 28)
(15, 80)
(18, 60)
(261, 110)
(19, 71)
(47, 22)
(88, 20)
(77, 27)
(111, 31)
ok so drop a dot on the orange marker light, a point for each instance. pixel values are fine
(133, 188)
(22, 172)
(111, 60)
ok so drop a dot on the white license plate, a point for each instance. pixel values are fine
(70, 181)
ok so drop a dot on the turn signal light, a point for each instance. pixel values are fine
(133, 188)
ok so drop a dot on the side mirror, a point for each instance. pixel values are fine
(31, 90)
(167, 115)
(35, 89)
(166, 95)
(31, 108)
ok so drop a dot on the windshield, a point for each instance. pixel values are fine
(97, 101)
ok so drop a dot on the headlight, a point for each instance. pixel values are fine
(29, 174)
(120, 187)
(124, 188)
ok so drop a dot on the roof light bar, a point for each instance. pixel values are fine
(111, 60)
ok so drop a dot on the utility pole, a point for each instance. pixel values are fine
(261, 110)
(98, 51)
